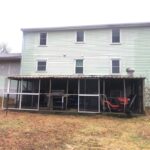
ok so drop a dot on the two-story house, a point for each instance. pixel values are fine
(81, 68)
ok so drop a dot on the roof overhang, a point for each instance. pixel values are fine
(87, 27)
(10, 57)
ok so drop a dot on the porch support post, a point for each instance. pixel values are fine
(8, 89)
(39, 94)
(49, 99)
(17, 86)
(143, 96)
(84, 93)
(104, 86)
(8, 85)
(62, 102)
(99, 95)
(78, 94)
(67, 94)
(17, 92)
(124, 92)
(21, 82)
(104, 95)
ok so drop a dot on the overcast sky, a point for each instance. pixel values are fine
(17, 14)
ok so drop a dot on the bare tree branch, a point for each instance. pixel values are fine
(4, 49)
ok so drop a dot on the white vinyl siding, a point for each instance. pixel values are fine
(134, 52)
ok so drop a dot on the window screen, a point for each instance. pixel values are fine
(43, 38)
(116, 35)
(41, 66)
(80, 36)
(79, 66)
(115, 66)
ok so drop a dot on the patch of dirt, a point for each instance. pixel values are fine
(33, 131)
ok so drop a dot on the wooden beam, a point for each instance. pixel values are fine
(143, 96)
(78, 94)
(17, 96)
(62, 102)
(7, 103)
(103, 94)
(39, 94)
(7, 100)
(96, 95)
(49, 98)
(124, 92)
(67, 93)
(21, 94)
(8, 85)
(99, 95)
(8, 88)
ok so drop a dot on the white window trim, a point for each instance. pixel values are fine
(46, 39)
(120, 66)
(37, 65)
(75, 66)
(115, 43)
(80, 42)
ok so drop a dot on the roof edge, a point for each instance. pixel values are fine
(88, 27)
(10, 56)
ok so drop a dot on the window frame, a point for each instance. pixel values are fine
(83, 36)
(79, 66)
(40, 39)
(113, 41)
(115, 59)
(41, 60)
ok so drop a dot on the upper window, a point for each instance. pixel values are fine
(115, 35)
(80, 36)
(43, 38)
(79, 66)
(116, 66)
(41, 65)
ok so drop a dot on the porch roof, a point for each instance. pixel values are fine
(10, 56)
(19, 77)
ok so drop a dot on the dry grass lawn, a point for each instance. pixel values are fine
(33, 131)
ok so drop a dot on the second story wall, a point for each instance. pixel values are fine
(97, 52)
